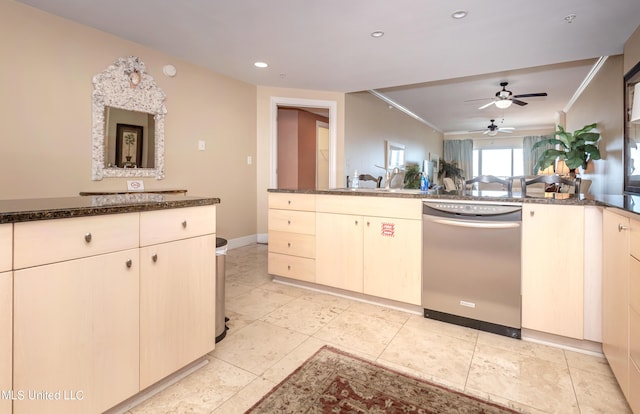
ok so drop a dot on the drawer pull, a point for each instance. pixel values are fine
(356, 222)
(289, 244)
(289, 202)
(184, 224)
(154, 257)
(129, 263)
(289, 222)
(87, 237)
(532, 213)
(622, 227)
(288, 267)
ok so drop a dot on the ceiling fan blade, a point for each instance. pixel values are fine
(530, 95)
(517, 102)
(506, 131)
(487, 105)
(505, 128)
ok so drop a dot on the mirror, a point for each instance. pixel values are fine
(128, 122)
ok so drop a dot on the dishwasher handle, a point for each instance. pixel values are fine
(477, 224)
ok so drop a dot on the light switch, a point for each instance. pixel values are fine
(249, 160)
(201, 145)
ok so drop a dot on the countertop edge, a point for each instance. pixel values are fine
(28, 209)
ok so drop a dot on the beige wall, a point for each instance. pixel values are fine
(47, 70)
(632, 51)
(602, 103)
(369, 122)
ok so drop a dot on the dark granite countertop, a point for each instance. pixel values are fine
(627, 202)
(492, 196)
(13, 211)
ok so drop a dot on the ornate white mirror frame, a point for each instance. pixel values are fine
(126, 85)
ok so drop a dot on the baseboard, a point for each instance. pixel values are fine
(575, 345)
(263, 238)
(241, 241)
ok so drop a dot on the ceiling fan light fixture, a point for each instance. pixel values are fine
(261, 65)
(493, 133)
(503, 103)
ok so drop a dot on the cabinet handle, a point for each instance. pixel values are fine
(368, 224)
(289, 202)
(288, 267)
(289, 222)
(532, 213)
(87, 237)
(289, 244)
(154, 257)
(356, 222)
(184, 224)
(622, 227)
(129, 263)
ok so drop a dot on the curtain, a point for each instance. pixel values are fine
(461, 151)
(530, 157)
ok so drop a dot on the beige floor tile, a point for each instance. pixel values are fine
(293, 360)
(200, 392)
(534, 349)
(590, 363)
(304, 316)
(327, 299)
(419, 349)
(522, 378)
(355, 331)
(598, 393)
(258, 346)
(388, 314)
(258, 303)
(245, 398)
(288, 290)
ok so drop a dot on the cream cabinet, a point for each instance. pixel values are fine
(292, 240)
(553, 269)
(76, 324)
(6, 314)
(370, 245)
(177, 289)
(615, 295)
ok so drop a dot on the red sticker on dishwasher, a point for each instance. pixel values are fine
(388, 229)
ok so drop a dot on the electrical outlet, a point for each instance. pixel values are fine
(201, 145)
(249, 160)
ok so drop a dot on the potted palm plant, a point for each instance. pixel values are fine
(575, 149)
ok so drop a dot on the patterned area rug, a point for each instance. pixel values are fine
(335, 382)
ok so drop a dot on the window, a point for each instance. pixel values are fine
(501, 162)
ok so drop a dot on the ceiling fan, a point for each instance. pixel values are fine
(493, 129)
(505, 98)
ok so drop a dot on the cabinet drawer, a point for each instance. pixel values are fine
(289, 201)
(292, 221)
(50, 241)
(6, 247)
(634, 238)
(295, 244)
(410, 208)
(161, 226)
(300, 268)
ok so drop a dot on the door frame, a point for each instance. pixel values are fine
(332, 106)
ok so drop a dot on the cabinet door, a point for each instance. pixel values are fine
(392, 259)
(552, 269)
(6, 338)
(177, 305)
(339, 251)
(76, 334)
(615, 315)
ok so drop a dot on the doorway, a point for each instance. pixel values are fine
(325, 175)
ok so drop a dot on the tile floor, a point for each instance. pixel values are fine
(275, 327)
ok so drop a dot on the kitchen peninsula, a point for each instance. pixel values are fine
(110, 295)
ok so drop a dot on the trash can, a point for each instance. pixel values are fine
(221, 319)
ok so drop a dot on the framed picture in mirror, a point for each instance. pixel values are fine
(129, 145)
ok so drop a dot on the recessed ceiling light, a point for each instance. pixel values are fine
(260, 65)
(377, 33)
(459, 14)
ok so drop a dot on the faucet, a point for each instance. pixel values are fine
(388, 176)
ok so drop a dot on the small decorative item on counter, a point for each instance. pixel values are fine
(424, 183)
(355, 181)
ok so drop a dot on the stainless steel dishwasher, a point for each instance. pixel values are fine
(471, 265)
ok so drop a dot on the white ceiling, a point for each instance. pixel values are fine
(326, 45)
